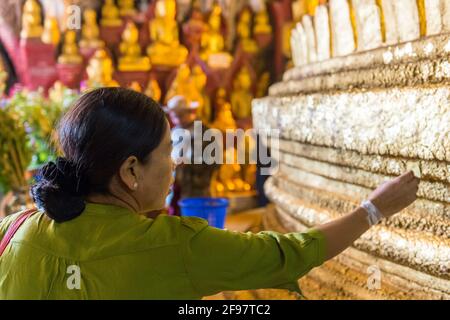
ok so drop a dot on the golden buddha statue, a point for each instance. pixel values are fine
(51, 34)
(263, 85)
(131, 58)
(153, 90)
(311, 6)
(100, 71)
(224, 119)
(243, 30)
(182, 85)
(70, 53)
(194, 27)
(213, 43)
(299, 8)
(241, 96)
(166, 49)
(31, 20)
(229, 177)
(262, 25)
(110, 15)
(199, 79)
(126, 8)
(90, 32)
(135, 86)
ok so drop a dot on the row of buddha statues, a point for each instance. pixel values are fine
(165, 48)
(322, 29)
(202, 51)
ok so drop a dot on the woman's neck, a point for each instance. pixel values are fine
(112, 200)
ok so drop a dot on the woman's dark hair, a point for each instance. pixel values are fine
(102, 129)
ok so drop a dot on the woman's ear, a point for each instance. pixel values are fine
(129, 173)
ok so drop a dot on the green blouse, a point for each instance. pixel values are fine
(109, 252)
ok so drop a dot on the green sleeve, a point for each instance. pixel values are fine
(218, 260)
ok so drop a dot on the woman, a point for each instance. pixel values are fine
(90, 240)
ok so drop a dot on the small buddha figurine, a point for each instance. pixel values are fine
(311, 6)
(126, 8)
(263, 85)
(299, 8)
(166, 49)
(31, 20)
(100, 71)
(153, 90)
(224, 119)
(262, 25)
(135, 86)
(229, 177)
(244, 32)
(70, 53)
(213, 43)
(182, 85)
(51, 34)
(90, 32)
(131, 58)
(194, 27)
(241, 97)
(199, 79)
(110, 15)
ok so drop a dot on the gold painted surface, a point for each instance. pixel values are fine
(365, 121)
(418, 250)
(433, 47)
(346, 276)
(349, 123)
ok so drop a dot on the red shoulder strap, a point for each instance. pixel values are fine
(14, 227)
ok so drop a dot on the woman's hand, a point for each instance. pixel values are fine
(396, 194)
(389, 198)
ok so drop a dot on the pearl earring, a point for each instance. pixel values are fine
(135, 185)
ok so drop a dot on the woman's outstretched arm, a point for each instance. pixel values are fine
(389, 198)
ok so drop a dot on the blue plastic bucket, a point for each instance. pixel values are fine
(212, 209)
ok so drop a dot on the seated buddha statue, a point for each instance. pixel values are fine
(241, 96)
(243, 30)
(194, 27)
(110, 15)
(182, 85)
(31, 20)
(153, 90)
(229, 177)
(100, 71)
(51, 34)
(126, 8)
(70, 53)
(224, 117)
(262, 25)
(165, 49)
(135, 86)
(213, 43)
(199, 79)
(131, 58)
(90, 32)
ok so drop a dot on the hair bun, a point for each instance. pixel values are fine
(60, 190)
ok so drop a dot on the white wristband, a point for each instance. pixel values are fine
(374, 215)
